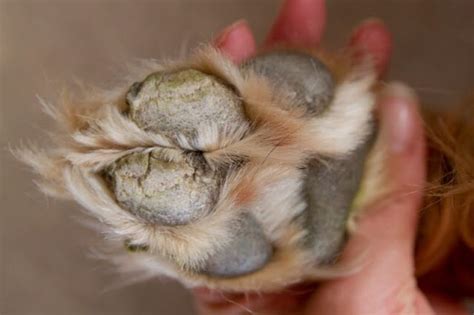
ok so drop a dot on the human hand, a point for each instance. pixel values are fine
(386, 283)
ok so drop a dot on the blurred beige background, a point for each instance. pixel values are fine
(45, 260)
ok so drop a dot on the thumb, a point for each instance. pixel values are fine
(386, 283)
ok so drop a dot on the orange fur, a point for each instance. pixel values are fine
(448, 213)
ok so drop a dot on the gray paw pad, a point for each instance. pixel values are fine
(164, 192)
(330, 189)
(304, 76)
(248, 251)
(181, 102)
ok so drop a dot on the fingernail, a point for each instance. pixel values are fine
(372, 39)
(397, 106)
(367, 32)
(226, 34)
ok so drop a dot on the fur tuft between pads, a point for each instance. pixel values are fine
(241, 178)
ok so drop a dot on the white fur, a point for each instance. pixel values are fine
(347, 123)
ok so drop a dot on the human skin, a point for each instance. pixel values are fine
(385, 284)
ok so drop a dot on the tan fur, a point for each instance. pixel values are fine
(447, 220)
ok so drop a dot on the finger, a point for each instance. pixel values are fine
(401, 132)
(299, 23)
(386, 284)
(372, 39)
(236, 41)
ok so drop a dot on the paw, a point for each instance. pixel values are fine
(224, 174)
